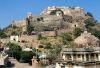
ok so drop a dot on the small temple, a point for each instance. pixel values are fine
(84, 54)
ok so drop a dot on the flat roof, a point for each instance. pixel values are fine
(81, 50)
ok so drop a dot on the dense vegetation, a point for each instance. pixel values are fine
(77, 32)
(22, 56)
(14, 50)
(30, 28)
(2, 34)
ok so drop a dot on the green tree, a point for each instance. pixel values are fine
(14, 33)
(14, 27)
(29, 29)
(77, 32)
(26, 56)
(14, 50)
(94, 31)
(52, 56)
(97, 33)
(90, 23)
(2, 34)
(41, 46)
(54, 53)
(89, 14)
(48, 46)
(66, 37)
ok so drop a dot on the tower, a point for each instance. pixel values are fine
(29, 15)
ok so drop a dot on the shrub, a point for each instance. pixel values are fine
(40, 46)
(14, 50)
(2, 34)
(26, 56)
(48, 46)
(66, 37)
(77, 32)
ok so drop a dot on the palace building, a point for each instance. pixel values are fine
(84, 54)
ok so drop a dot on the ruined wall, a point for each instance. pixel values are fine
(66, 10)
(72, 17)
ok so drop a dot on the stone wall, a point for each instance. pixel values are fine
(66, 10)
(19, 23)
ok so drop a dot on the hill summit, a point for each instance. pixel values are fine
(55, 18)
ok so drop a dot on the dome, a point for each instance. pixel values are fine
(86, 39)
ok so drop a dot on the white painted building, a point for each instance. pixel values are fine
(3, 59)
(14, 38)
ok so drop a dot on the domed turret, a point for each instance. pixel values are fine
(86, 40)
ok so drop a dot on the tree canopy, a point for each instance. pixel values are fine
(90, 23)
(77, 32)
(89, 14)
(26, 56)
(66, 37)
(14, 50)
(30, 28)
(14, 33)
(2, 34)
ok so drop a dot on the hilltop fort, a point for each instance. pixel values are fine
(67, 36)
(59, 18)
(66, 10)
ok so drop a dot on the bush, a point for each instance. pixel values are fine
(89, 14)
(66, 37)
(48, 46)
(95, 32)
(14, 33)
(30, 28)
(2, 34)
(40, 46)
(77, 32)
(89, 23)
(26, 56)
(54, 53)
(14, 50)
